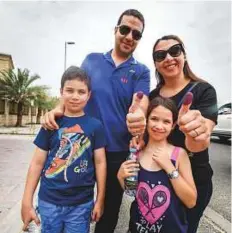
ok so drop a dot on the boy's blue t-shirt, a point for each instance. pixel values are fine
(68, 176)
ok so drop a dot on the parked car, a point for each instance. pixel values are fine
(223, 127)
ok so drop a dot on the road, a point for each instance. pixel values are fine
(16, 152)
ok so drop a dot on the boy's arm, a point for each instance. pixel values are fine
(32, 180)
(100, 166)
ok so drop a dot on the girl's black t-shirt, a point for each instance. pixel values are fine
(204, 100)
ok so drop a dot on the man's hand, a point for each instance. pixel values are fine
(136, 118)
(97, 211)
(28, 214)
(48, 121)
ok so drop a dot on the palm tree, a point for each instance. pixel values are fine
(16, 86)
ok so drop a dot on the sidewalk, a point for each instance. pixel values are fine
(25, 130)
(16, 153)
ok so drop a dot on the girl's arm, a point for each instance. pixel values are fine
(127, 169)
(184, 185)
(32, 180)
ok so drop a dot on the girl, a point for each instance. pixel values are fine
(165, 182)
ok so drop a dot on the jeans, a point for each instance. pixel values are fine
(204, 193)
(114, 193)
(64, 219)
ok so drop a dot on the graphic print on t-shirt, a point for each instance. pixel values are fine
(73, 144)
(152, 202)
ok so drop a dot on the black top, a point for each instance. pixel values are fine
(204, 100)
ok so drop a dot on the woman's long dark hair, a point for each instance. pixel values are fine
(187, 71)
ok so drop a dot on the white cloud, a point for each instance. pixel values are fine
(34, 34)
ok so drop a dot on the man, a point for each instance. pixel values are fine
(116, 77)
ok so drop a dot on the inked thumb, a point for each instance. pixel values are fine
(137, 100)
(186, 103)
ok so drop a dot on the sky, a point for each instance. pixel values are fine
(34, 34)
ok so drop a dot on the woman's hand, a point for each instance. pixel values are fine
(194, 125)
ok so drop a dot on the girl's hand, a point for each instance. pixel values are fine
(137, 142)
(127, 169)
(161, 156)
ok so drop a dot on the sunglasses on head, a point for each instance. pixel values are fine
(174, 51)
(125, 30)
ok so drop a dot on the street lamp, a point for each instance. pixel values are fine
(65, 51)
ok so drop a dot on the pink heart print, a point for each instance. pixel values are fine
(152, 202)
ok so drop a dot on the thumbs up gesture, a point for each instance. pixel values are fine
(136, 119)
(191, 122)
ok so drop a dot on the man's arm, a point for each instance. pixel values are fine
(33, 176)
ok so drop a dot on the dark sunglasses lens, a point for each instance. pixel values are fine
(124, 30)
(136, 35)
(175, 50)
(159, 56)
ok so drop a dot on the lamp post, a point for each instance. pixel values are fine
(65, 51)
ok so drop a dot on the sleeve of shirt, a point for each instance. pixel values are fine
(99, 136)
(143, 82)
(207, 102)
(42, 139)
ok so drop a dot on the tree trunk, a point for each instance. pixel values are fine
(19, 114)
(38, 116)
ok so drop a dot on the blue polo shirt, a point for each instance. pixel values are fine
(112, 92)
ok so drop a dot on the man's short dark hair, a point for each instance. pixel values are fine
(74, 72)
(132, 12)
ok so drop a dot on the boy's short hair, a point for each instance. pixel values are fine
(74, 72)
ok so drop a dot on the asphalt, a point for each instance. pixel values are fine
(13, 168)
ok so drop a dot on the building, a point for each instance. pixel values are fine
(8, 110)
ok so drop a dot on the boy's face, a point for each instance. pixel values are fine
(75, 95)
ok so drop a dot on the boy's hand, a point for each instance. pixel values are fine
(28, 214)
(97, 211)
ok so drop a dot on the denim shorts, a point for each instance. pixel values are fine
(65, 219)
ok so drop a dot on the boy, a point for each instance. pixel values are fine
(65, 161)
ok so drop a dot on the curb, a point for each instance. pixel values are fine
(218, 220)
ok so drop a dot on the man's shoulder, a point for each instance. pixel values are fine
(141, 65)
(93, 56)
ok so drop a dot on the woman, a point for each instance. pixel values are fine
(174, 80)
